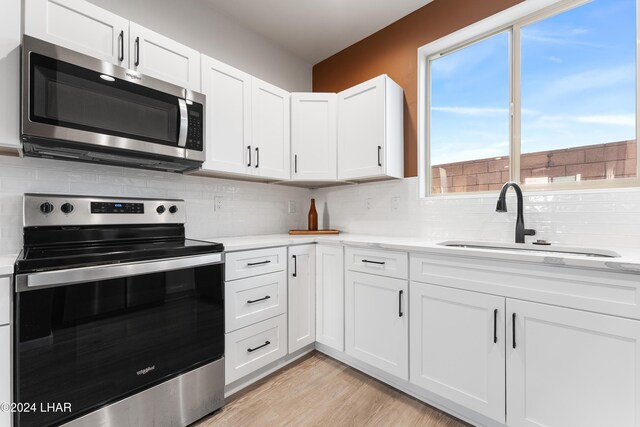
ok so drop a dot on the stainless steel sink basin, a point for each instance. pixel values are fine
(528, 247)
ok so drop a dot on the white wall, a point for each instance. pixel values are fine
(197, 24)
(604, 218)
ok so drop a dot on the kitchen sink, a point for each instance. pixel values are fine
(522, 247)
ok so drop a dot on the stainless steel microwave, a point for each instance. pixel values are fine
(76, 107)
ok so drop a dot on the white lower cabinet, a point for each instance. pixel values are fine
(302, 297)
(457, 346)
(5, 373)
(254, 347)
(571, 368)
(330, 296)
(377, 322)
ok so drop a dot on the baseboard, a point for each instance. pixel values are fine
(246, 381)
(412, 390)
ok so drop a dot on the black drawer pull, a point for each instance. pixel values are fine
(257, 157)
(400, 313)
(249, 148)
(379, 161)
(513, 328)
(266, 343)
(251, 301)
(495, 326)
(373, 262)
(121, 46)
(137, 52)
(295, 266)
(251, 264)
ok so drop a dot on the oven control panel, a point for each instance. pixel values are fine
(60, 210)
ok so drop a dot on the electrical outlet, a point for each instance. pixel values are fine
(395, 203)
(292, 206)
(367, 204)
(217, 203)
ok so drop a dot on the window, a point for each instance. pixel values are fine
(546, 98)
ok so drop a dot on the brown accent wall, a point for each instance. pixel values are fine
(394, 51)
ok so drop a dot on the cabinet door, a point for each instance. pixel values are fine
(80, 26)
(228, 124)
(11, 38)
(314, 136)
(158, 56)
(457, 347)
(330, 296)
(302, 296)
(568, 367)
(377, 322)
(5, 373)
(270, 124)
(361, 130)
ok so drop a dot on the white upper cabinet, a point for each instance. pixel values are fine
(314, 137)
(571, 368)
(457, 346)
(80, 26)
(228, 123)
(157, 56)
(370, 131)
(302, 296)
(270, 130)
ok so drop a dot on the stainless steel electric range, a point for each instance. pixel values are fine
(119, 320)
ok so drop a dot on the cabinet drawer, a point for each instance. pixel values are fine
(251, 300)
(255, 346)
(376, 261)
(5, 300)
(239, 265)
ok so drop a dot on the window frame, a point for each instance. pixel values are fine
(510, 20)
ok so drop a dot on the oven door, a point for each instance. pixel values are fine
(96, 341)
(72, 97)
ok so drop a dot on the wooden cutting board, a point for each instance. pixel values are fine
(306, 232)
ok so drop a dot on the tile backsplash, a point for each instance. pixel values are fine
(246, 207)
(601, 218)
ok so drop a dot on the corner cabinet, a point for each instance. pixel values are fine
(302, 296)
(370, 131)
(458, 346)
(569, 367)
(160, 57)
(80, 26)
(228, 123)
(330, 296)
(270, 130)
(314, 137)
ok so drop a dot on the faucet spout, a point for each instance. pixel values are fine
(501, 206)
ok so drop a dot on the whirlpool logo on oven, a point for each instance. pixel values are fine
(146, 370)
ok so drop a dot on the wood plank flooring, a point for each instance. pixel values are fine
(320, 391)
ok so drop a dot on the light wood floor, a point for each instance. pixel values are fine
(320, 391)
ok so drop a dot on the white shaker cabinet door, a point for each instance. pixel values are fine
(330, 296)
(302, 296)
(571, 368)
(228, 124)
(80, 26)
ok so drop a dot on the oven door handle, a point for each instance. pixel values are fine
(184, 123)
(26, 282)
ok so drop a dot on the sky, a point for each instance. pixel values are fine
(578, 86)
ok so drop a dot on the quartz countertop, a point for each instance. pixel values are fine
(629, 260)
(6, 264)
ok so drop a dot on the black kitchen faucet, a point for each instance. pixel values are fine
(502, 207)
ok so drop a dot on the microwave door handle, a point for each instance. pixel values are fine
(184, 123)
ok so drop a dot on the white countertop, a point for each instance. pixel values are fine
(629, 260)
(6, 264)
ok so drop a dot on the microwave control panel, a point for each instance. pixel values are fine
(195, 133)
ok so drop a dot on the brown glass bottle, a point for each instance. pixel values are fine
(313, 216)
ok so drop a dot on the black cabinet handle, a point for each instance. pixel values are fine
(266, 343)
(295, 163)
(257, 158)
(373, 262)
(400, 313)
(251, 301)
(295, 266)
(137, 52)
(251, 264)
(249, 149)
(495, 326)
(513, 329)
(379, 160)
(121, 46)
